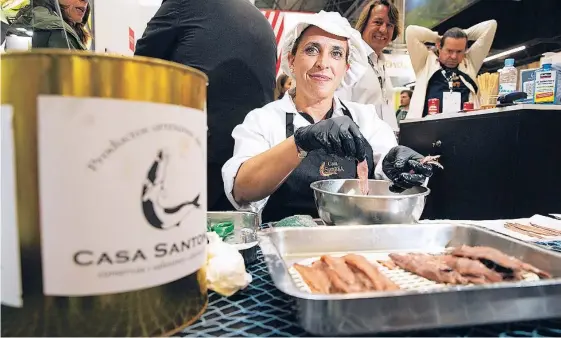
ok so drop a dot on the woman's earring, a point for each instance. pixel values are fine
(292, 69)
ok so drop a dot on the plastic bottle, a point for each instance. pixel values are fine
(552, 58)
(547, 85)
(508, 77)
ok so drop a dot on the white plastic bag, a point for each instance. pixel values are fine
(225, 268)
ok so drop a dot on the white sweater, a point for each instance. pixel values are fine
(425, 62)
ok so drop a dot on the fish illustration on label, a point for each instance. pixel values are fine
(157, 212)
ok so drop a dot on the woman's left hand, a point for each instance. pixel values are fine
(403, 166)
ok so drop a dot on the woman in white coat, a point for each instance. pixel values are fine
(310, 134)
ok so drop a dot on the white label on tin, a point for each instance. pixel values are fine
(122, 194)
(11, 264)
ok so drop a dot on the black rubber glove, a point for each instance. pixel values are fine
(402, 165)
(338, 135)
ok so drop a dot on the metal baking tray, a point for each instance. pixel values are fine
(403, 310)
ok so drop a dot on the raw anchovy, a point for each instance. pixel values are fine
(431, 160)
(362, 172)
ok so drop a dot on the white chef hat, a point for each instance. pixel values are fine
(334, 23)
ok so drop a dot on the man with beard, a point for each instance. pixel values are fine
(448, 73)
(232, 42)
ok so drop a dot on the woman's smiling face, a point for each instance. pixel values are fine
(74, 9)
(320, 63)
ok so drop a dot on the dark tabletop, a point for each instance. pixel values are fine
(262, 310)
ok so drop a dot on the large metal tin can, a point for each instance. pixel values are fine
(103, 195)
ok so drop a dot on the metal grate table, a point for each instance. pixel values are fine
(262, 310)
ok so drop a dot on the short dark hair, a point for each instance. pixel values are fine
(454, 33)
(408, 92)
(367, 9)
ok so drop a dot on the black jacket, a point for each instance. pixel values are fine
(232, 42)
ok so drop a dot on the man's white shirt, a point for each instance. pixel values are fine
(369, 91)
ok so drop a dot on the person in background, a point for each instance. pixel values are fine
(378, 24)
(3, 31)
(404, 100)
(450, 73)
(283, 84)
(232, 42)
(4, 25)
(49, 29)
(310, 134)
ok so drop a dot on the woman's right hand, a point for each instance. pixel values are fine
(338, 135)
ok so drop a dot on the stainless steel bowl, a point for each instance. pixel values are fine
(340, 202)
(242, 221)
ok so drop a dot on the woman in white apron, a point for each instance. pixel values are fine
(311, 134)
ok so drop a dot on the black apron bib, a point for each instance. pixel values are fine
(294, 196)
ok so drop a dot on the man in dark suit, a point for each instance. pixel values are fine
(232, 42)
